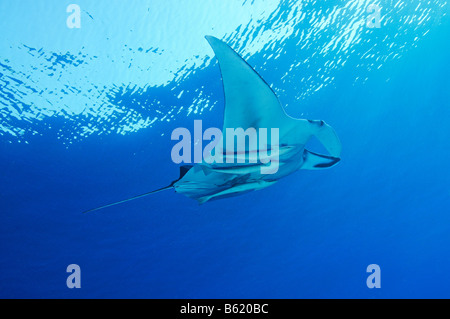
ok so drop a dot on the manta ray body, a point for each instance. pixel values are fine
(251, 103)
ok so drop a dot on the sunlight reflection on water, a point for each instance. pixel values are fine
(117, 78)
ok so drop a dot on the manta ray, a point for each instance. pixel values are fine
(251, 103)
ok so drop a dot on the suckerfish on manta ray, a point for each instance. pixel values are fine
(251, 103)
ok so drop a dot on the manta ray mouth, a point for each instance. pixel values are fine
(334, 161)
(322, 161)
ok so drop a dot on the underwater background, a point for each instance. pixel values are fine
(86, 116)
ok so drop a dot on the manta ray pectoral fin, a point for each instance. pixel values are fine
(249, 100)
(313, 160)
(206, 169)
(183, 170)
(251, 103)
(235, 190)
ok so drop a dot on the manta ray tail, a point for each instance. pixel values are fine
(128, 199)
(183, 170)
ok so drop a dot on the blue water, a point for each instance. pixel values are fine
(86, 116)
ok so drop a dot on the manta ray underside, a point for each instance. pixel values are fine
(251, 103)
